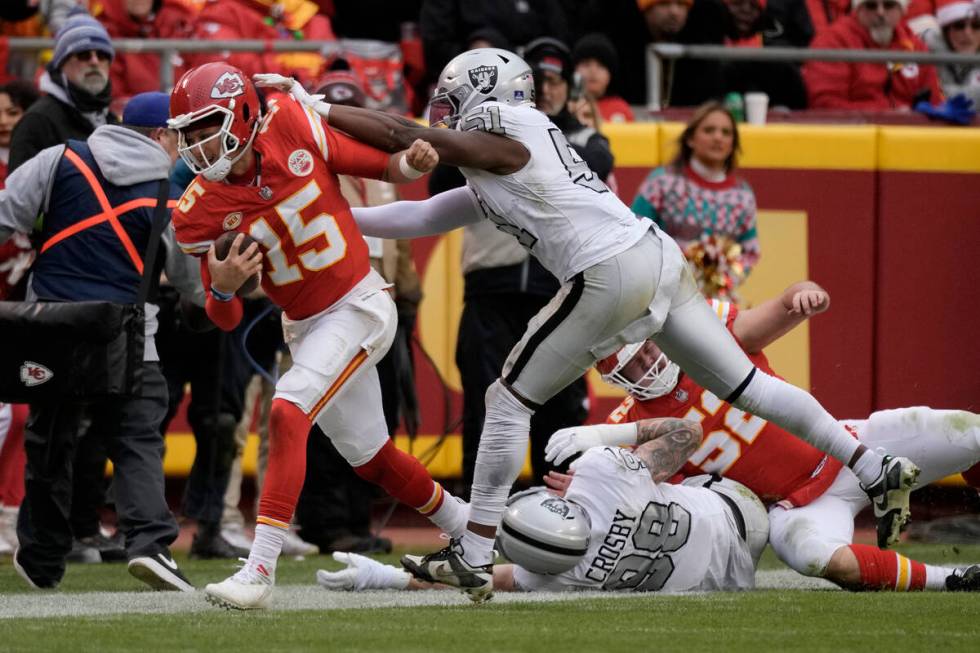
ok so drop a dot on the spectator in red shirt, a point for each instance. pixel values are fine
(133, 73)
(871, 25)
(596, 61)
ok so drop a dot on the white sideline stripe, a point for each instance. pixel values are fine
(308, 597)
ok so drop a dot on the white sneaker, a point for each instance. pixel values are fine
(294, 546)
(248, 589)
(237, 537)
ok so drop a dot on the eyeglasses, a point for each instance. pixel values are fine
(86, 55)
(963, 24)
(887, 5)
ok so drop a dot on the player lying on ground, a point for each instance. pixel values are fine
(269, 169)
(623, 280)
(619, 526)
(814, 501)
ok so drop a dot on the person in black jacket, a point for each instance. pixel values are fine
(78, 91)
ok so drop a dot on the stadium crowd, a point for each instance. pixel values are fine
(589, 64)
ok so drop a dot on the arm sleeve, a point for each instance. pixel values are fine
(226, 315)
(26, 192)
(352, 157)
(438, 214)
(182, 270)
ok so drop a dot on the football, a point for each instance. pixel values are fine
(221, 248)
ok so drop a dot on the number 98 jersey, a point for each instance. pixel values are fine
(313, 252)
(555, 206)
(646, 536)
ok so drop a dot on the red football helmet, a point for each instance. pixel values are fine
(215, 94)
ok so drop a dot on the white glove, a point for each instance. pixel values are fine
(287, 85)
(362, 573)
(565, 443)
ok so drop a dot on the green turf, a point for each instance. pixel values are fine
(751, 621)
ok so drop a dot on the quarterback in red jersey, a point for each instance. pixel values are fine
(268, 168)
(813, 498)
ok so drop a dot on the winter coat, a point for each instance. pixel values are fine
(867, 86)
(954, 79)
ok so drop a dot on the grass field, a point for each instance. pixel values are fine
(101, 608)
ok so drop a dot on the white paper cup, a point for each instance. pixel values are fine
(756, 106)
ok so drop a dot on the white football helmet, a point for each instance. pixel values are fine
(478, 76)
(657, 380)
(543, 533)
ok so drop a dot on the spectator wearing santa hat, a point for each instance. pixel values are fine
(871, 25)
(957, 30)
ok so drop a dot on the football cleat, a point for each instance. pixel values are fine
(448, 567)
(964, 580)
(248, 589)
(160, 572)
(889, 495)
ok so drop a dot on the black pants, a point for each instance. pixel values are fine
(489, 328)
(130, 429)
(215, 365)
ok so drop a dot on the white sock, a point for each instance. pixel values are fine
(477, 550)
(936, 577)
(503, 448)
(868, 467)
(799, 413)
(266, 546)
(451, 516)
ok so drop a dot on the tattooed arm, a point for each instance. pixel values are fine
(665, 443)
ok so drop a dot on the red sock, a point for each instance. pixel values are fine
(13, 459)
(288, 430)
(887, 570)
(403, 477)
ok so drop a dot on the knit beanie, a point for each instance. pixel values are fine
(953, 10)
(79, 33)
(596, 46)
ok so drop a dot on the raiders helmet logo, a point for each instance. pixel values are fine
(556, 506)
(483, 78)
(228, 85)
(32, 374)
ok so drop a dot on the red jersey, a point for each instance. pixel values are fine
(313, 252)
(768, 460)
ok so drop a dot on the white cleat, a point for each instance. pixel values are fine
(248, 589)
(889, 495)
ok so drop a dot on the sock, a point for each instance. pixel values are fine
(867, 467)
(267, 545)
(288, 430)
(477, 550)
(887, 570)
(799, 413)
(503, 448)
(403, 477)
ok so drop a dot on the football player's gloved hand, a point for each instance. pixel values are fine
(286, 85)
(362, 573)
(957, 109)
(565, 443)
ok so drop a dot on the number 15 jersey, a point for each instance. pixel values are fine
(313, 252)
(555, 206)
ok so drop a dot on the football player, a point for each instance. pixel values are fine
(623, 280)
(617, 526)
(268, 168)
(813, 500)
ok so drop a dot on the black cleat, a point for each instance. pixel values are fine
(964, 580)
(448, 567)
(889, 495)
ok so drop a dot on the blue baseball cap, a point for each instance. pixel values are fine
(147, 110)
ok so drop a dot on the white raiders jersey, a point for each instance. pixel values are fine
(555, 206)
(646, 536)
